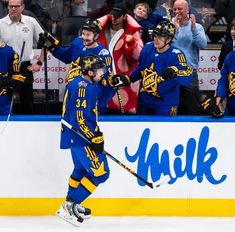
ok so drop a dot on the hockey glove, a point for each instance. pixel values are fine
(97, 143)
(170, 73)
(210, 107)
(17, 81)
(48, 41)
(4, 81)
(119, 80)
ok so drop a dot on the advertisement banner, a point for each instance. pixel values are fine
(208, 72)
(196, 156)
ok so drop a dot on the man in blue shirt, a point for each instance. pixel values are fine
(190, 37)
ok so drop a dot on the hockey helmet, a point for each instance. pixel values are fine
(92, 63)
(165, 29)
(93, 25)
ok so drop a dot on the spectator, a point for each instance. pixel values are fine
(225, 8)
(90, 163)
(87, 44)
(141, 12)
(227, 47)
(190, 38)
(9, 77)
(165, 10)
(162, 69)
(4, 9)
(28, 32)
(121, 35)
(226, 84)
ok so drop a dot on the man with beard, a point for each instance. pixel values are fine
(87, 44)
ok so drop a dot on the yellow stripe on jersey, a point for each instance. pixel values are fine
(84, 128)
(88, 184)
(90, 154)
(64, 103)
(16, 67)
(73, 183)
(186, 72)
(182, 59)
(108, 61)
(81, 92)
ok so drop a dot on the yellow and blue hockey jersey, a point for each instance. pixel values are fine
(226, 83)
(154, 92)
(74, 54)
(80, 110)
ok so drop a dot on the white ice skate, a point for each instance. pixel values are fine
(68, 213)
(85, 213)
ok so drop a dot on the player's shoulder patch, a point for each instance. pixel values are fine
(2, 44)
(104, 52)
(82, 84)
(177, 51)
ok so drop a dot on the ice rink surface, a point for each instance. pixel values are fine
(119, 224)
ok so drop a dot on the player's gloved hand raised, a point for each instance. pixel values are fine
(119, 80)
(170, 73)
(97, 143)
(17, 81)
(48, 41)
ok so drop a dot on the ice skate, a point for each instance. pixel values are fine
(85, 213)
(68, 213)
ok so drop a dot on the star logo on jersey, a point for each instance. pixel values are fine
(74, 70)
(231, 83)
(150, 82)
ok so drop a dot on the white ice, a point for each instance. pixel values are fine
(119, 224)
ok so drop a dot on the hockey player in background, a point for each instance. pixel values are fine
(90, 163)
(10, 78)
(162, 69)
(86, 44)
(226, 84)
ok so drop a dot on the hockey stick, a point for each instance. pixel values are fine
(111, 46)
(151, 185)
(120, 101)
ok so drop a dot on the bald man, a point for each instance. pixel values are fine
(190, 37)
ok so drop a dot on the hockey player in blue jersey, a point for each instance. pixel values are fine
(86, 44)
(90, 164)
(10, 78)
(226, 84)
(162, 69)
